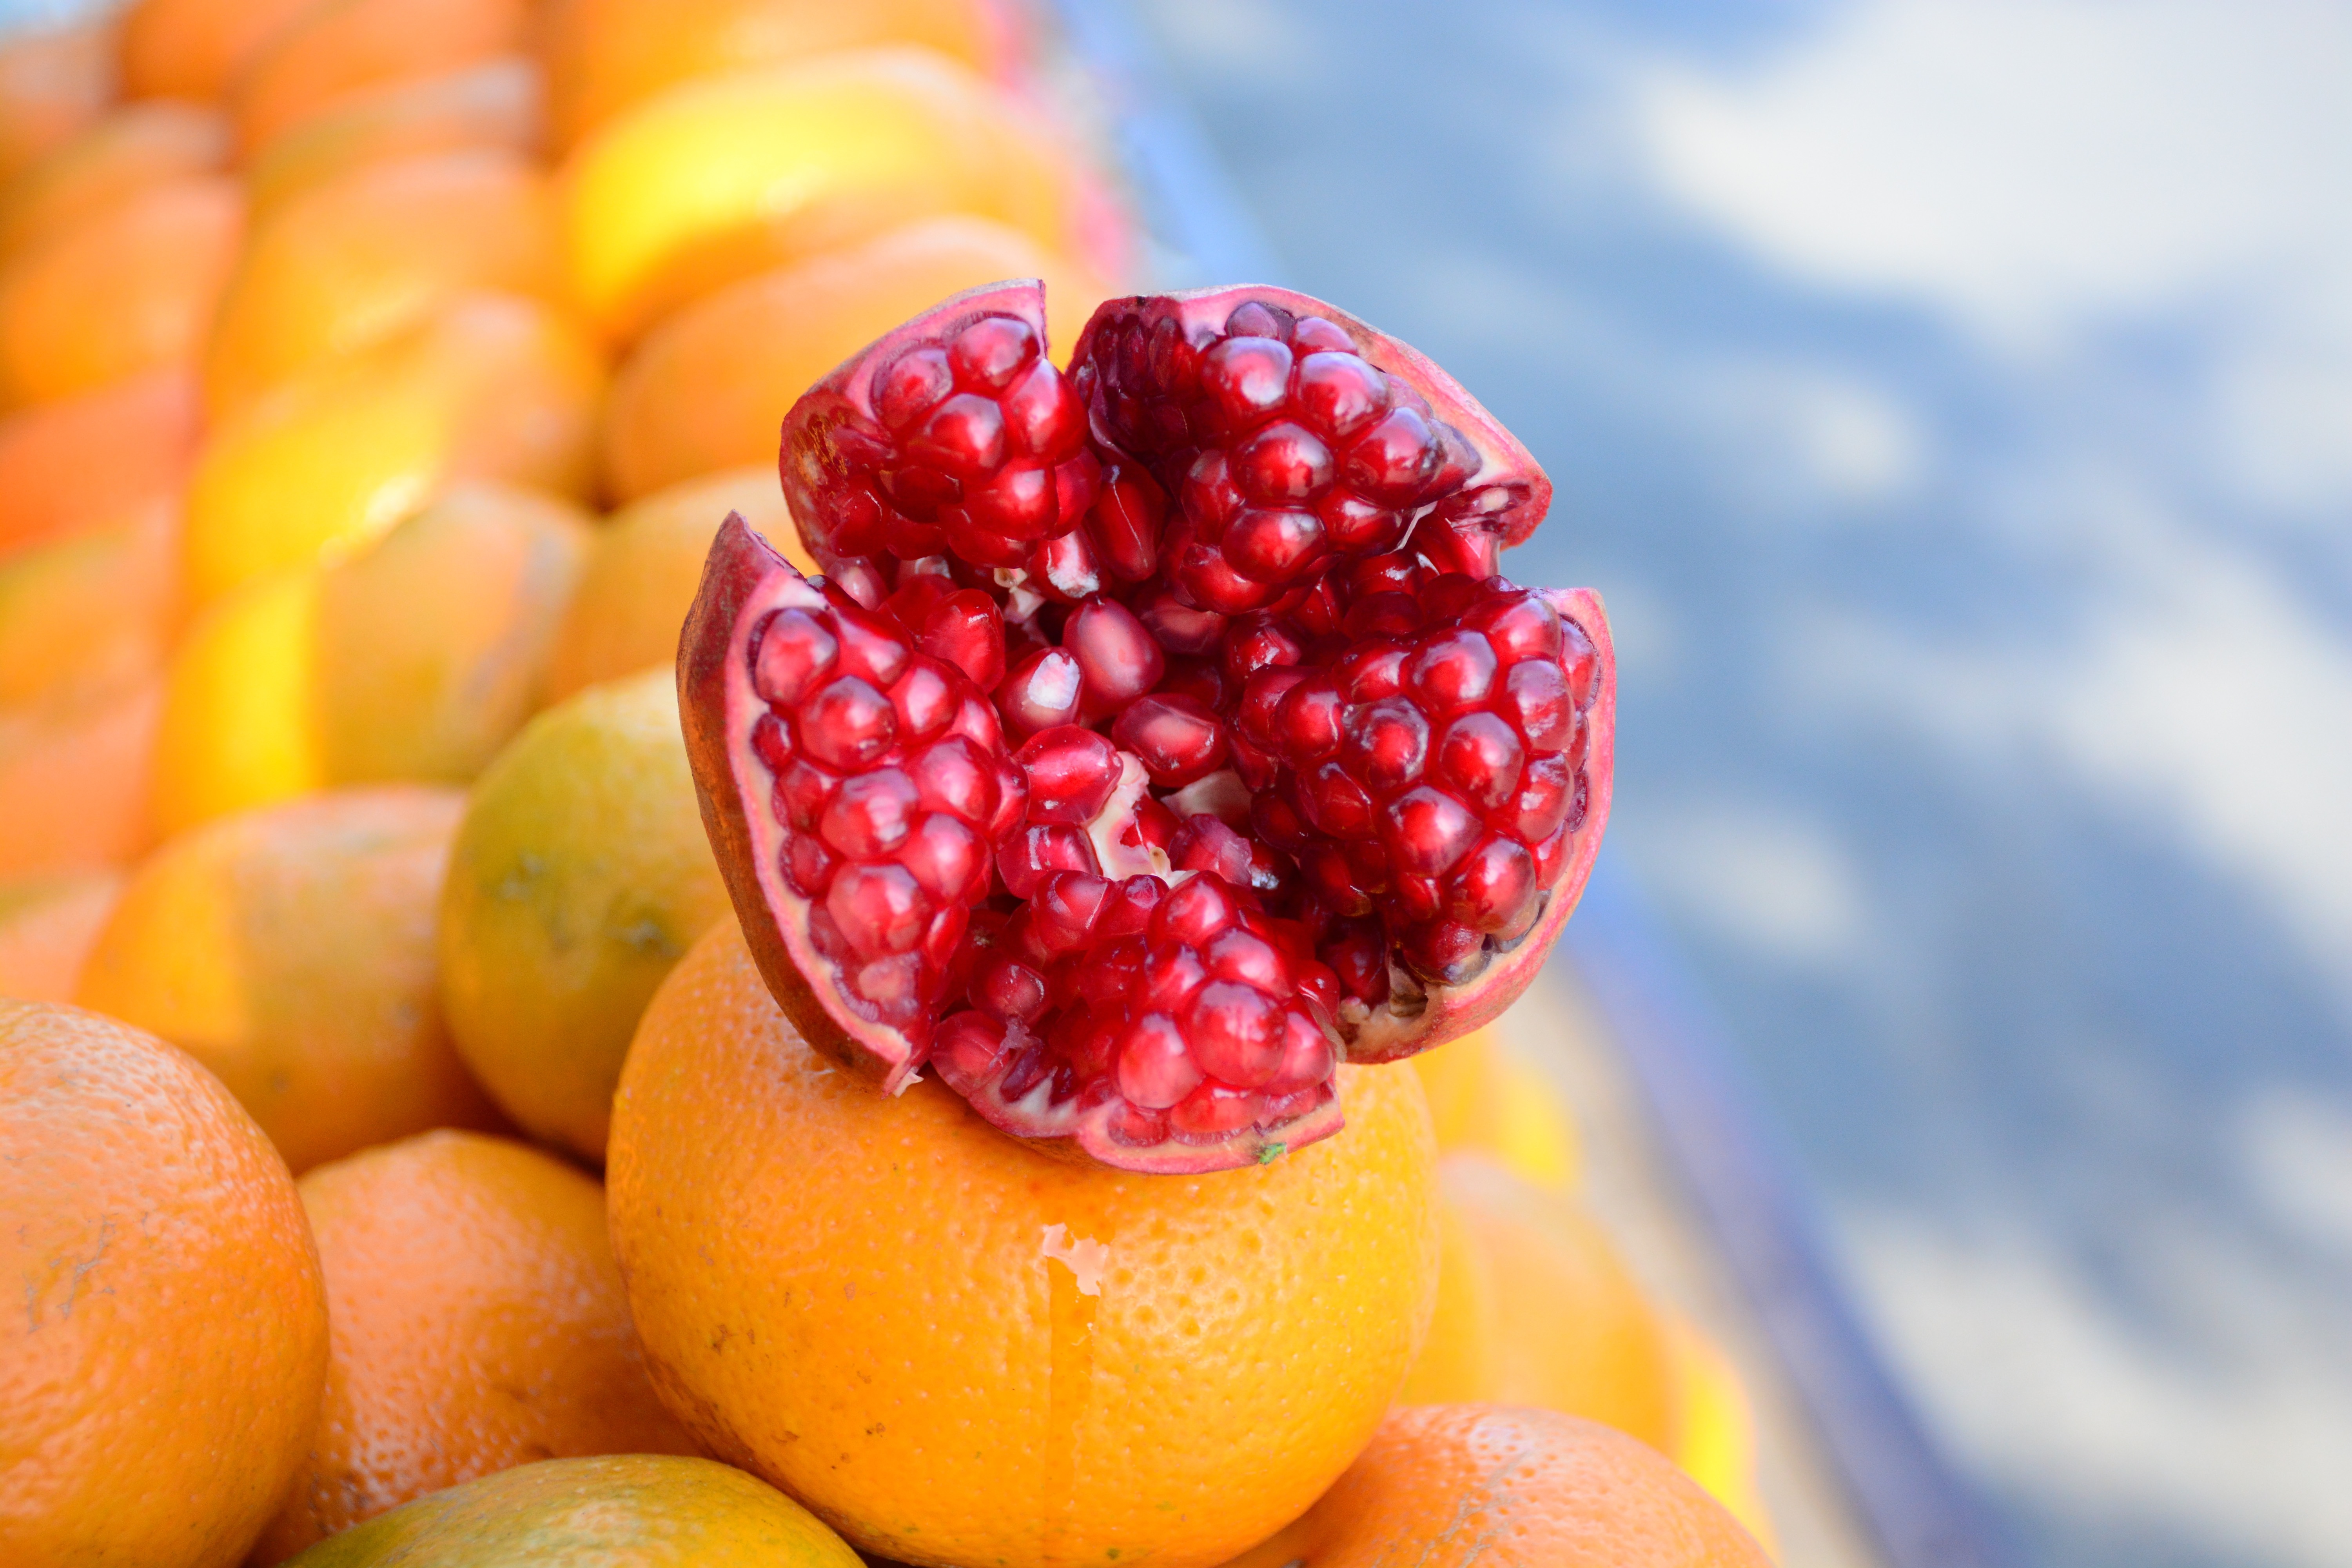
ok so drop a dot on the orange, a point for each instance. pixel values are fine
(377, 250)
(54, 85)
(605, 56)
(96, 458)
(492, 386)
(195, 48)
(709, 387)
(90, 616)
(74, 785)
(580, 875)
(128, 289)
(1542, 1311)
(46, 927)
(1447, 1486)
(235, 729)
(957, 1349)
(290, 951)
(166, 1337)
(643, 568)
(1716, 1427)
(494, 104)
(627, 1510)
(135, 146)
(476, 1322)
(339, 49)
(732, 175)
(1485, 1096)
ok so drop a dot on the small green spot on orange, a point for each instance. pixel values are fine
(1271, 1152)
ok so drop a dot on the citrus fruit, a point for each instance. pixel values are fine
(337, 49)
(704, 390)
(1715, 1425)
(54, 85)
(495, 104)
(580, 876)
(195, 48)
(96, 458)
(88, 615)
(1447, 1486)
(235, 732)
(135, 146)
(629, 1511)
(1485, 1096)
(290, 951)
(75, 784)
(474, 1323)
(956, 1349)
(46, 927)
(721, 178)
(643, 569)
(166, 1337)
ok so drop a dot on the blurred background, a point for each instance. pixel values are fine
(1953, 400)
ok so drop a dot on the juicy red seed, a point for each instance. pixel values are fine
(794, 652)
(1360, 957)
(1353, 524)
(1205, 844)
(1285, 461)
(1214, 1109)
(1247, 377)
(1327, 872)
(853, 584)
(955, 775)
(1042, 692)
(1276, 822)
(1493, 887)
(1520, 625)
(1179, 738)
(918, 592)
(1210, 498)
(969, 1045)
(1393, 460)
(893, 984)
(1024, 858)
(1076, 483)
(809, 865)
(1454, 670)
(1129, 912)
(1339, 393)
(920, 489)
(1552, 851)
(924, 703)
(1195, 677)
(1194, 912)
(1026, 1070)
(911, 385)
(1021, 502)
(1444, 952)
(870, 815)
(1447, 595)
(1535, 699)
(847, 725)
(991, 351)
(1274, 545)
(1306, 722)
(1369, 674)
(1181, 628)
(1042, 412)
(1125, 524)
(982, 546)
(772, 742)
(967, 630)
(948, 859)
(963, 439)
(1413, 898)
(1250, 959)
(1338, 805)
(1426, 831)
(1255, 318)
(1119, 659)
(1385, 744)
(1154, 825)
(1006, 988)
(1209, 579)
(880, 908)
(1387, 615)
(1171, 975)
(1259, 642)
(1155, 1067)
(1071, 774)
(1478, 758)
(1064, 909)
(1314, 334)
(802, 792)
(1063, 567)
(1235, 1033)
(872, 647)
(1581, 663)
(1262, 698)
(1306, 1056)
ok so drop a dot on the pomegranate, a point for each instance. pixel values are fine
(1160, 732)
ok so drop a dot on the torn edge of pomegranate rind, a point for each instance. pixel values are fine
(1452, 1011)
(743, 578)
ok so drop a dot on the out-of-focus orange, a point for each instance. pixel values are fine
(957, 1349)
(607, 56)
(729, 176)
(236, 732)
(709, 388)
(129, 289)
(1453, 1485)
(495, 104)
(337, 49)
(92, 614)
(492, 386)
(96, 458)
(75, 786)
(195, 48)
(476, 1322)
(47, 925)
(165, 1340)
(645, 566)
(290, 951)
(1715, 1423)
(1485, 1096)
(365, 256)
(54, 85)
(135, 146)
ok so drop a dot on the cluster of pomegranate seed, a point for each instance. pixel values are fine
(1133, 818)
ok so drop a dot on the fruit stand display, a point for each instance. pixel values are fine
(582, 992)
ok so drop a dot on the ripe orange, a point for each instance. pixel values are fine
(1716, 1428)
(75, 786)
(290, 951)
(629, 1511)
(1449, 1486)
(957, 1349)
(336, 50)
(54, 85)
(135, 146)
(131, 289)
(195, 48)
(476, 1321)
(643, 568)
(166, 1337)
(1486, 1098)
(96, 458)
(493, 104)
(84, 618)
(47, 925)
(709, 388)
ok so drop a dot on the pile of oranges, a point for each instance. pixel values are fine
(401, 1160)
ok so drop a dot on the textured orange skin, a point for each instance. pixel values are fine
(1446, 1486)
(130, 290)
(371, 253)
(496, 103)
(337, 49)
(93, 459)
(75, 786)
(290, 951)
(136, 147)
(46, 928)
(847, 1293)
(195, 48)
(54, 85)
(166, 1337)
(707, 388)
(476, 1322)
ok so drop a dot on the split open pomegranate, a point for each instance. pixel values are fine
(1162, 733)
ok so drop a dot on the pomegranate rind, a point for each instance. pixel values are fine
(743, 579)
(1394, 1030)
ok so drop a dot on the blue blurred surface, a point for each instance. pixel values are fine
(1954, 402)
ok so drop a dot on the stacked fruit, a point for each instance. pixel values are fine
(1144, 742)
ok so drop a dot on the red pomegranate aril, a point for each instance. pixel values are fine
(1042, 691)
(1210, 500)
(1339, 393)
(946, 858)
(1063, 910)
(870, 815)
(957, 775)
(872, 647)
(924, 703)
(1452, 672)
(1179, 738)
(1246, 378)
(1385, 743)
(1577, 657)
(1478, 758)
(1213, 1111)
(1426, 831)
(1372, 672)
(1273, 544)
(1005, 988)
(1444, 952)
(1338, 805)
(1358, 954)
(1064, 568)
(1194, 912)
(1308, 720)
(1071, 774)
(1306, 1056)
(1154, 825)
(963, 439)
(793, 652)
(1205, 844)
(1396, 572)
(1351, 523)
(879, 910)
(809, 865)
(1025, 857)
(912, 385)
(1491, 888)
(1412, 900)
(1393, 460)
(802, 791)
(1129, 912)
(1256, 319)
(846, 725)
(1179, 628)
(1155, 1064)
(1447, 596)
(772, 742)
(1535, 699)
(991, 351)
(1518, 626)
(1125, 523)
(1019, 502)
(1235, 1033)
(1249, 958)
(966, 629)
(1170, 976)
(1119, 659)
(1284, 461)
(1209, 579)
